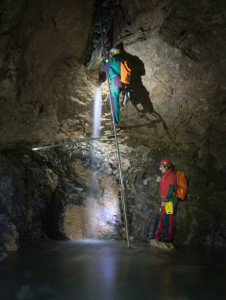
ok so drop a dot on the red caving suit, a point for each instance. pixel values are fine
(166, 222)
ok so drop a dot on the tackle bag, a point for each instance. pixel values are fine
(169, 208)
(125, 72)
(182, 186)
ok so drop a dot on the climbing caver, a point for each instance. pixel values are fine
(119, 74)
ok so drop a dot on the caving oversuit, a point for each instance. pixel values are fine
(113, 68)
(164, 222)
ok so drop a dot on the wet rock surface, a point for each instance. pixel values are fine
(55, 195)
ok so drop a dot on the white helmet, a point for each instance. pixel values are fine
(114, 50)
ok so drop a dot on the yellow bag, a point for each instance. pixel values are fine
(169, 208)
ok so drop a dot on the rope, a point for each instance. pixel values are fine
(116, 144)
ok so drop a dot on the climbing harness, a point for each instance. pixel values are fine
(116, 144)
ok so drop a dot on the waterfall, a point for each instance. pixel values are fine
(97, 112)
(102, 208)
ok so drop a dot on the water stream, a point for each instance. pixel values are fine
(97, 112)
(109, 270)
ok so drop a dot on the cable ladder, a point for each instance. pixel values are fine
(116, 145)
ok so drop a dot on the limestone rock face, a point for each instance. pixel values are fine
(75, 222)
(177, 56)
(177, 90)
(35, 38)
(99, 215)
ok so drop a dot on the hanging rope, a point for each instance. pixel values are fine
(116, 144)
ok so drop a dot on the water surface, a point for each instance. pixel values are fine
(110, 270)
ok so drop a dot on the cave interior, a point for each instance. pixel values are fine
(50, 68)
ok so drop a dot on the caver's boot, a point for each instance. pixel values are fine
(154, 242)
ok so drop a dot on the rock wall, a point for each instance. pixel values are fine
(35, 37)
(54, 194)
(177, 54)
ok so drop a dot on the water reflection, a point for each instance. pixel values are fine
(109, 270)
(101, 275)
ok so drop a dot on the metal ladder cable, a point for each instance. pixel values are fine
(116, 143)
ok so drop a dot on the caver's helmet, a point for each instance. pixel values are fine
(114, 51)
(165, 162)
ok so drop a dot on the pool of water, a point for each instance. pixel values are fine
(110, 270)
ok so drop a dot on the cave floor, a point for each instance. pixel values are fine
(92, 269)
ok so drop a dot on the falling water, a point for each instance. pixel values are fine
(97, 112)
(103, 206)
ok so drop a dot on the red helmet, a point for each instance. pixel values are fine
(165, 162)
